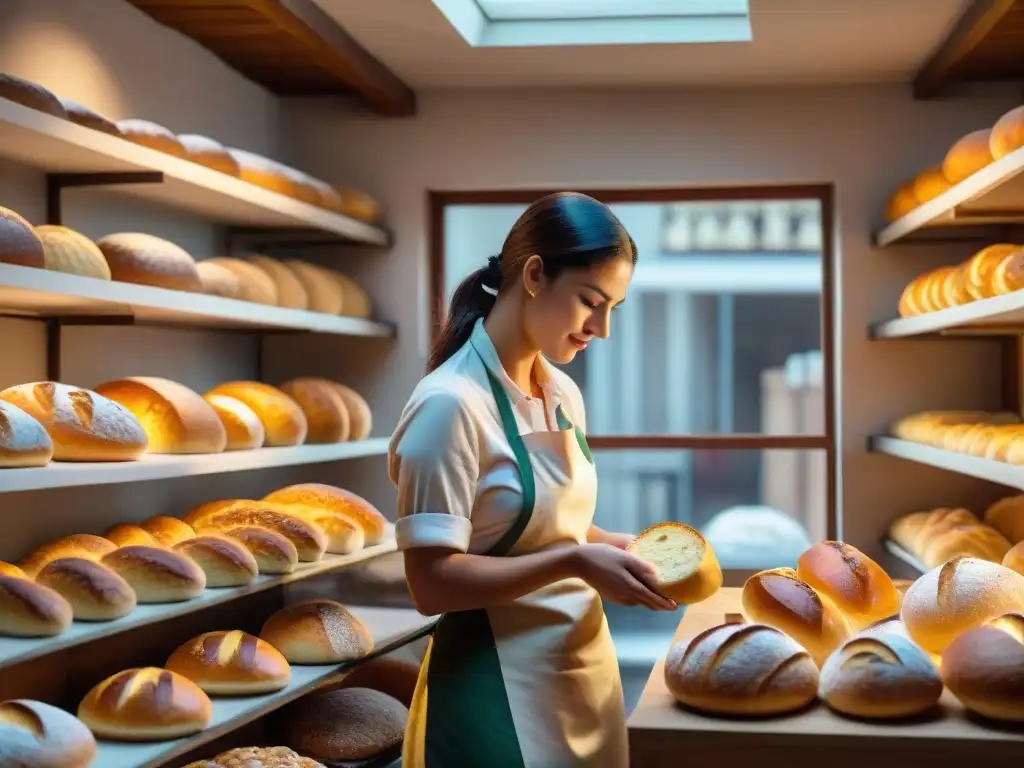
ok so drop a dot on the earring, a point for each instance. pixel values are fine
(533, 294)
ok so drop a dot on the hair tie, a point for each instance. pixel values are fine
(492, 275)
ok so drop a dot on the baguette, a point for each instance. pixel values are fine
(984, 668)
(36, 735)
(854, 582)
(346, 503)
(94, 592)
(243, 428)
(77, 545)
(157, 575)
(317, 632)
(28, 609)
(231, 663)
(309, 540)
(225, 561)
(23, 440)
(686, 568)
(912, 531)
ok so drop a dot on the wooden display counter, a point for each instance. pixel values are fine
(661, 733)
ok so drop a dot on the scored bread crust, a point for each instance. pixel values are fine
(231, 663)
(28, 609)
(76, 545)
(854, 582)
(24, 442)
(282, 418)
(309, 540)
(157, 575)
(95, 592)
(273, 552)
(226, 562)
(337, 500)
(697, 582)
(317, 631)
(984, 668)
(37, 735)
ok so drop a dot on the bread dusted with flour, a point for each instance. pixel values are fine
(89, 118)
(687, 570)
(37, 735)
(146, 133)
(209, 152)
(23, 440)
(135, 257)
(854, 582)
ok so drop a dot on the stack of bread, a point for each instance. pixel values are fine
(993, 271)
(967, 156)
(982, 434)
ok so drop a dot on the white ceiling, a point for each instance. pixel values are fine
(795, 42)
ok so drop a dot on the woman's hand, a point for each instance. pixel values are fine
(619, 576)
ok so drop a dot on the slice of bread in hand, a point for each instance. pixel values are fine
(686, 566)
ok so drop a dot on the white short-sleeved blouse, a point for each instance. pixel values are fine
(457, 478)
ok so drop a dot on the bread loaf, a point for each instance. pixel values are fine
(347, 724)
(281, 417)
(231, 663)
(854, 582)
(262, 172)
(780, 599)
(686, 566)
(157, 575)
(322, 289)
(317, 632)
(143, 259)
(77, 545)
(243, 428)
(1008, 133)
(1014, 559)
(254, 284)
(309, 540)
(355, 302)
(145, 704)
(129, 535)
(273, 552)
(65, 250)
(6, 569)
(83, 425)
(217, 280)
(225, 562)
(176, 419)
(1008, 275)
(981, 268)
(327, 497)
(1007, 517)
(741, 669)
(19, 243)
(967, 156)
(343, 534)
(325, 410)
(900, 203)
(28, 609)
(206, 151)
(23, 440)
(360, 419)
(30, 95)
(979, 541)
(36, 735)
(291, 294)
(912, 531)
(94, 592)
(328, 197)
(259, 757)
(302, 185)
(359, 205)
(197, 515)
(168, 531)
(984, 668)
(929, 184)
(957, 596)
(148, 134)
(88, 118)
(394, 676)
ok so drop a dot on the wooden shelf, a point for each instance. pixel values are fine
(17, 650)
(900, 553)
(42, 293)
(390, 627)
(55, 145)
(993, 195)
(985, 469)
(998, 316)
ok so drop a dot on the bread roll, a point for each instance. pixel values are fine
(309, 540)
(168, 531)
(77, 545)
(984, 668)
(148, 134)
(260, 757)
(326, 412)
(225, 562)
(88, 118)
(854, 582)
(201, 513)
(355, 302)
(28, 609)
(262, 171)
(291, 294)
(980, 269)
(231, 663)
(929, 184)
(94, 592)
(282, 418)
(980, 541)
(320, 496)
(323, 290)
(65, 250)
(317, 632)
(397, 677)
(273, 552)
(912, 531)
(19, 243)
(143, 259)
(1008, 133)
(36, 735)
(900, 203)
(967, 156)
(1008, 275)
(780, 599)
(739, 669)
(145, 704)
(23, 440)
(303, 186)
(30, 95)
(1014, 559)
(157, 575)
(329, 197)
(206, 151)
(254, 284)
(218, 280)
(360, 418)
(686, 566)
(6, 569)
(1007, 517)
(957, 596)
(130, 535)
(243, 428)
(347, 724)
(359, 205)
(176, 419)
(343, 534)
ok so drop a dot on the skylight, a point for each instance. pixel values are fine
(489, 23)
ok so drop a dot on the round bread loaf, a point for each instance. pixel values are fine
(30, 95)
(1008, 133)
(984, 668)
(967, 156)
(325, 409)
(231, 663)
(929, 184)
(980, 541)
(359, 205)
(176, 419)
(360, 418)
(291, 294)
(36, 735)
(394, 676)
(1007, 517)
(129, 535)
(243, 427)
(309, 540)
(273, 552)
(317, 632)
(957, 596)
(19, 243)
(346, 503)
(28, 609)
(146, 133)
(854, 582)
(168, 531)
(225, 562)
(900, 203)
(6, 569)
(83, 425)
(254, 284)
(145, 704)
(218, 280)
(281, 417)
(76, 545)
(261, 757)
(322, 289)
(157, 575)
(206, 151)
(94, 592)
(686, 566)
(883, 677)
(143, 259)
(65, 250)
(741, 669)
(88, 118)
(23, 440)
(1014, 559)
(355, 302)
(262, 172)
(346, 724)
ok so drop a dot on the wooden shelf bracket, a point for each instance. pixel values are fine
(56, 183)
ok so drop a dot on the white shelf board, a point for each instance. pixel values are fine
(993, 195)
(55, 145)
(999, 315)
(390, 627)
(16, 650)
(43, 293)
(900, 553)
(985, 469)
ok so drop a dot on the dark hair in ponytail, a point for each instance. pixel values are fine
(568, 230)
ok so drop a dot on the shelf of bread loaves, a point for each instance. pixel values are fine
(199, 174)
(219, 681)
(978, 182)
(147, 428)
